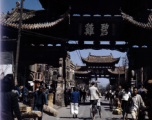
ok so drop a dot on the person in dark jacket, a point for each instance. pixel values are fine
(66, 97)
(40, 100)
(84, 96)
(74, 102)
(9, 100)
(81, 93)
(141, 92)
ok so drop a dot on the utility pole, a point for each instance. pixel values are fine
(18, 43)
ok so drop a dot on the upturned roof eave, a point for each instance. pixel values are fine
(115, 73)
(11, 20)
(130, 19)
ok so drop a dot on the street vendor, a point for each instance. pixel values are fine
(40, 100)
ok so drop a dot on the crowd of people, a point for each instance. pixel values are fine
(12, 95)
(130, 101)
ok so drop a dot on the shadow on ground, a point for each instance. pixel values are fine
(84, 104)
(104, 104)
(114, 119)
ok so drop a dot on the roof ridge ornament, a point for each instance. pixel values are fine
(89, 53)
(14, 9)
(111, 55)
(17, 5)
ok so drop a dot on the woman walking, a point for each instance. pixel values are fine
(75, 96)
(125, 97)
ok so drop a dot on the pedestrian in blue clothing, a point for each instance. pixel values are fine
(75, 96)
(18, 89)
(40, 100)
(24, 93)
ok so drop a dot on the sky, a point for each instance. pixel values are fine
(7, 5)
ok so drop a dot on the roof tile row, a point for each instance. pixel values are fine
(100, 59)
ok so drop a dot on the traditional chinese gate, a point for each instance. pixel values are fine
(56, 25)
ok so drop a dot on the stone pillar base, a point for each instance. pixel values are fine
(59, 95)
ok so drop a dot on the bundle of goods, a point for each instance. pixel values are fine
(50, 99)
(31, 114)
(49, 110)
(25, 109)
(117, 111)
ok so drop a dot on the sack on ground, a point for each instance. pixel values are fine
(49, 110)
(31, 114)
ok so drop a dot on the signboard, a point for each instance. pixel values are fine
(99, 28)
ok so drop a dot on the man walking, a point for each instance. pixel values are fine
(136, 102)
(66, 97)
(74, 100)
(40, 100)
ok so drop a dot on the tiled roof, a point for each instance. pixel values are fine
(130, 19)
(31, 19)
(117, 70)
(100, 59)
(81, 70)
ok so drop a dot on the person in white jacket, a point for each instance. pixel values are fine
(94, 93)
(125, 97)
(95, 96)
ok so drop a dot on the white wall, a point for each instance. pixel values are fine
(7, 69)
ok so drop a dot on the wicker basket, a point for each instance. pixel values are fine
(117, 112)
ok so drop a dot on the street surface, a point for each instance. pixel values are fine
(84, 113)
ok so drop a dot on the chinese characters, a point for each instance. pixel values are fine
(89, 29)
(104, 29)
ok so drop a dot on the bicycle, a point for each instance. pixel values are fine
(94, 109)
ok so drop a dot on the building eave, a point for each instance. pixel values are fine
(11, 19)
(131, 20)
